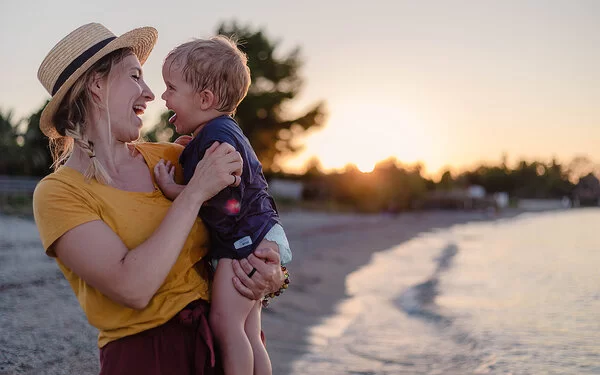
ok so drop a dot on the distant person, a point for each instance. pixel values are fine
(205, 80)
(130, 254)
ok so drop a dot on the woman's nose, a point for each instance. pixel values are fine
(148, 94)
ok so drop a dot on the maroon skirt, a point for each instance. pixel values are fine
(184, 345)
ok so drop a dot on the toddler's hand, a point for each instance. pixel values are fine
(164, 174)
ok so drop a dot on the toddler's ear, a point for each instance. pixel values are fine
(207, 100)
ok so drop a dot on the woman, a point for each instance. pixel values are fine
(130, 255)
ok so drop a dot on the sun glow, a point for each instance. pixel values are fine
(363, 136)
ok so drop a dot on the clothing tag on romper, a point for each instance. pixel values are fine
(242, 242)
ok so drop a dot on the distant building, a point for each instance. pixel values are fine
(286, 189)
(476, 192)
(471, 198)
(502, 200)
(587, 191)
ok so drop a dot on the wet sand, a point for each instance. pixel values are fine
(43, 330)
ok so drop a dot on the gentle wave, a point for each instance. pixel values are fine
(516, 296)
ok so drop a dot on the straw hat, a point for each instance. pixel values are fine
(76, 53)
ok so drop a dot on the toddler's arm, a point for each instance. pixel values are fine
(165, 179)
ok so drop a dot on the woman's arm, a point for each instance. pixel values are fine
(131, 277)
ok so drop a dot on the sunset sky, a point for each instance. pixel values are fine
(441, 82)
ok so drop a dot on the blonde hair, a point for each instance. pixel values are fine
(71, 118)
(215, 64)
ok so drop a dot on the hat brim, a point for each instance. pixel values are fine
(141, 41)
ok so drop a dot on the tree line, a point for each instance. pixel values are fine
(393, 186)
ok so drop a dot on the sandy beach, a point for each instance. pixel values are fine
(43, 330)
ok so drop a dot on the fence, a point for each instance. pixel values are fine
(16, 194)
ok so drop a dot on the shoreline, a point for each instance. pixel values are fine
(327, 248)
(45, 331)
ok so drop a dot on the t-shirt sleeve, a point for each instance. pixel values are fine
(212, 134)
(58, 208)
(225, 132)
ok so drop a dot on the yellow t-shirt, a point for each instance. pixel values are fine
(63, 200)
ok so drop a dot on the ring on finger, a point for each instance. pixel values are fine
(251, 273)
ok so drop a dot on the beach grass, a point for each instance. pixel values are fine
(20, 205)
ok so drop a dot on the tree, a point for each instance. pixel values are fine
(163, 131)
(24, 148)
(446, 181)
(272, 131)
(36, 156)
(313, 167)
(581, 166)
(8, 143)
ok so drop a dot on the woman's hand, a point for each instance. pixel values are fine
(267, 278)
(220, 167)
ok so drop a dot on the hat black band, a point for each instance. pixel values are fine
(79, 61)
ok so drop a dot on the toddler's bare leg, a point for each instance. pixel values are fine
(262, 362)
(228, 314)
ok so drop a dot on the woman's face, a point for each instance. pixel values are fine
(128, 95)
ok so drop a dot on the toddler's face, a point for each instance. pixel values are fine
(181, 98)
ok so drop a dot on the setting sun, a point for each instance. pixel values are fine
(363, 135)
